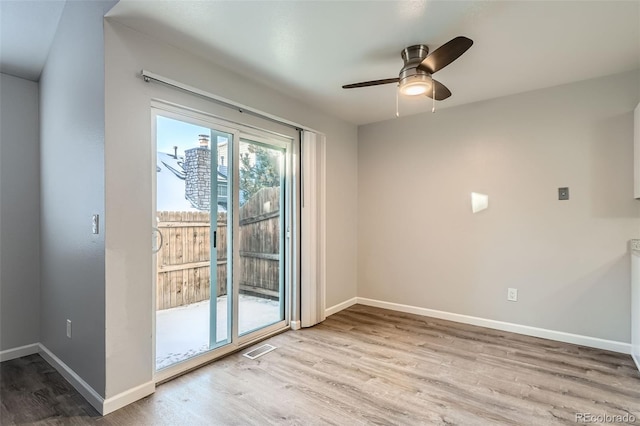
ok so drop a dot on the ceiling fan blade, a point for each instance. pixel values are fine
(371, 83)
(441, 91)
(445, 54)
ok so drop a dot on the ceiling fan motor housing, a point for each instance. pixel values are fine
(411, 73)
(415, 53)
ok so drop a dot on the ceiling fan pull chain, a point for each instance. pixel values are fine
(397, 108)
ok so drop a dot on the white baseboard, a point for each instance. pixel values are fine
(19, 352)
(104, 406)
(340, 306)
(560, 336)
(116, 402)
(72, 377)
(296, 325)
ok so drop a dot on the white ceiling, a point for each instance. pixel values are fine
(309, 49)
(27, 29)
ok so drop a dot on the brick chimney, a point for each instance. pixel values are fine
(197, 165)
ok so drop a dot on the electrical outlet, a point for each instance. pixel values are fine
(563, 193)
(69, 328)
(512, 294)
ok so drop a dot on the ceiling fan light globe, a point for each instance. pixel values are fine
(414, 89)
(415, 85)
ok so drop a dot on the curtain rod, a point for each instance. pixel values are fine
(149, 76)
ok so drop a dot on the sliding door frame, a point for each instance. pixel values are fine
(288, 233)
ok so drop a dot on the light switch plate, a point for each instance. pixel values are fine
(95, 224)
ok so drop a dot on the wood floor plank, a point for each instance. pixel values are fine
(362, 366)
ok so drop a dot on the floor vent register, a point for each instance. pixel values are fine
(259, 351)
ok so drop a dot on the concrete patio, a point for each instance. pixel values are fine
(183, 332)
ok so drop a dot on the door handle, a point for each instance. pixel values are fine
(156, 248)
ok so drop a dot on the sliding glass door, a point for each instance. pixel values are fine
(261, 194)
(193, 306)
(220, 234)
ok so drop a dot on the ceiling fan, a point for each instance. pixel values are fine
(415, 77)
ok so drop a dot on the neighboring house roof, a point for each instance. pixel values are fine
(171, 184)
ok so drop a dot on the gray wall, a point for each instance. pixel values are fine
(72, 187)
(129, 159)
(420, 245)
(19, 213)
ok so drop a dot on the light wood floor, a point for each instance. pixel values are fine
(361, 366)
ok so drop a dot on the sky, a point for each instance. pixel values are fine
(170, 133)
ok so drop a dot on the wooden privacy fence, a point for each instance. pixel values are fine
(184, 274)
(259, 243)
